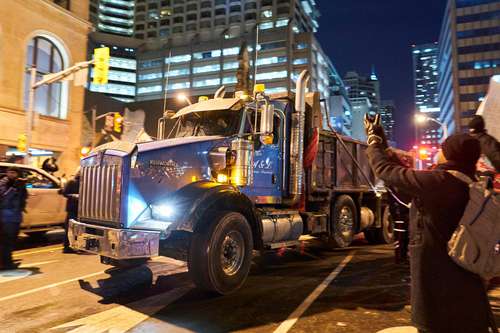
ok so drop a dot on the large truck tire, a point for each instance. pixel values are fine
(383, 235)
(344, 222)
(220, 254)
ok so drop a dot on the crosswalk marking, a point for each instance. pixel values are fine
(52, 285)
(124, 317)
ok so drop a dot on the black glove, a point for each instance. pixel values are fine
(374, 131)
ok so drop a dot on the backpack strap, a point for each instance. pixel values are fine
(461, 176)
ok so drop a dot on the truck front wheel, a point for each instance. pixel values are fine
(220, 254)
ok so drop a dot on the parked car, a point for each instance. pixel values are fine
(46, 208)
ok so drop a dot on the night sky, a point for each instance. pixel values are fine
(357, 34)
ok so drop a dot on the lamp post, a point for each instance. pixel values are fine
(422, 118)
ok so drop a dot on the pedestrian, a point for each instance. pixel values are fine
(490, 147)
(444, 296)
(70, 191)
(13, 197)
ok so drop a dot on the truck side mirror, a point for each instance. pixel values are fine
(266, 124)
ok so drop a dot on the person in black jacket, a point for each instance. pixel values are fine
(13, 197)
(70, 191)
(444, 296)
(490, 147)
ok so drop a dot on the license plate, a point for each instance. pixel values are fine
(91, 243)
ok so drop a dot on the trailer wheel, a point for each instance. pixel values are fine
(385, 234)
(344, 221)
(220, 254)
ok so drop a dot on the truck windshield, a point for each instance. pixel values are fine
(223, 123)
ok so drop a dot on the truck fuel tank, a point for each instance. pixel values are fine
(280, 226)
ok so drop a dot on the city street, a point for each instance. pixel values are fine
(55, 292)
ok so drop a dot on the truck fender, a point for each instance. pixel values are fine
(206, 196)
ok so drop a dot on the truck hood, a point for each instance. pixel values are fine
(160, 168)
(153, 145)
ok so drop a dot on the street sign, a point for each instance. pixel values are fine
(21, 143)
(101, 65)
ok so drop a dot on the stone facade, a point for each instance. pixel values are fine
(67, 30)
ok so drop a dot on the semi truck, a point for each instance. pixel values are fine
(225, 178)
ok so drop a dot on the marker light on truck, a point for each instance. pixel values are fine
(221, 178)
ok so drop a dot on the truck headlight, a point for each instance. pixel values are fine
(163, 212)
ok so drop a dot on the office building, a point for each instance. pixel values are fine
(191, 47)
(364, 87)
(52, 37)
(425, 74)
(387, 110)
(360, 107)
(469, 55)
(113, 16)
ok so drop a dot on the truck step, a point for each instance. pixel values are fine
(279, 245)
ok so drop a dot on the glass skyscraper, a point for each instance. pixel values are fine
(425, 71)
(469, 55)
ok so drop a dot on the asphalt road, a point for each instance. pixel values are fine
(312, 289)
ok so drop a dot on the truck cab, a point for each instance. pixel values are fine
(229, 176)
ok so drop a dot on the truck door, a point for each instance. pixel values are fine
(268, 168)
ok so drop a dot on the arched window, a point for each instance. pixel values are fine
(47, 58)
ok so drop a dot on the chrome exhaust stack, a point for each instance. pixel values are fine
(297, 140)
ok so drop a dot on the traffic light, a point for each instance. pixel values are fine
(21, 143)
(118, 121)
(101, 65)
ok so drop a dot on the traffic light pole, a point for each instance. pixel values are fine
(47, 79)
(29, 114)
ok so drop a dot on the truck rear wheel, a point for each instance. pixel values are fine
(385, 234)
(220, 254)
(344, 221)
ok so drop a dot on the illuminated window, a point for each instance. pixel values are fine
(281, 23)
(114, 75)
(270, 61)
(178, 72)
(149, 76)
(122, 63)
(230, 65)
(206, 69)
(229, 80)
(266, 25)
(113, 88)
(178, 85)
(206, 82)
(178, 58)
(272, 75)
(231, 51)
(267, 13)
(149, 89)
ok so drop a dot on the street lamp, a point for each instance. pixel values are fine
(183, 98)
(422, 118)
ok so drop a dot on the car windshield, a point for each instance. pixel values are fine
(224, 123)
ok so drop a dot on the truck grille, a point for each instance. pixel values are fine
(100, 188)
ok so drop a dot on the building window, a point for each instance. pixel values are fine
(47, 58)
(206, 69)
(191, 17)
(191, 7)
(250, 5)
(220, 11)
(272, 75)
(206, 4)
(205, 24)
(206, 82)
(206, 14)
(266, 13)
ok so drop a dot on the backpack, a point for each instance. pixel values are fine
(475, 244)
